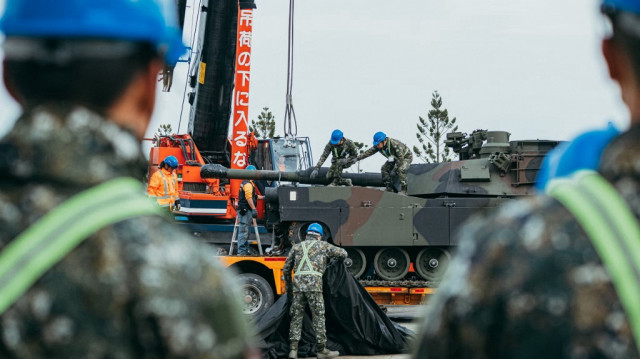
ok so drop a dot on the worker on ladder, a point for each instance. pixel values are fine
(163, 184)
(247, 212)
(556, 275)
(88, 264)
(308, 261)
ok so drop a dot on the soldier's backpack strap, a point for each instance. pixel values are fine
(307, 261)
(46, 242)
(613, 230)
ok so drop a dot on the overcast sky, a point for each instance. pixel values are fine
(532, 68)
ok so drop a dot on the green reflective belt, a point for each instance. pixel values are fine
(46, 242)
(613, 230)
(306, 261)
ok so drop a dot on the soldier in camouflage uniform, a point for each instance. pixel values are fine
(527, 281)
(308, 261)
(344, 153)
(398, 156)
(139, 288)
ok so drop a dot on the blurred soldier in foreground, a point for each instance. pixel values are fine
(309, 259)
(398, 156)
(163, 184)
(344, 153)
(88, 269)
(556, 276)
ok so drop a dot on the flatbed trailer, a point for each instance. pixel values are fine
(262, 281)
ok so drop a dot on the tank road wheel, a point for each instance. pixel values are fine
(297, 232)
(356, 262)
(392, 263)
(432, 262)
(257, 295)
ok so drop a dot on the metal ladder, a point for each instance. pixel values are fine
(234, 237)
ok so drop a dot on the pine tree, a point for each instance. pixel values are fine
(361, 148)
(162, 131)
(265, 126)
(432, 134)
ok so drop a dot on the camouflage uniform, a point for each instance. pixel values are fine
(347, 149)
(308, 287)
(140, 288)
(527, 282)
(399, 158)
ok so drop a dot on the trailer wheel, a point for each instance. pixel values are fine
(257, 294)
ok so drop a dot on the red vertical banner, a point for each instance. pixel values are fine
(239, 136)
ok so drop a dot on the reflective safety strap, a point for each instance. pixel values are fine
(46, 242)
(306, 261)
(613, 230)
(335, 152)
(166, 191)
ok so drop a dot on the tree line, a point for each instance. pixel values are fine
(432, 131)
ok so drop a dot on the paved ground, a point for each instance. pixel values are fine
(405, 316)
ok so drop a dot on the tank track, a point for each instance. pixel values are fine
(399, 283)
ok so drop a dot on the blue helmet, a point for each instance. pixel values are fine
(171, 161)
(378, 137)
(152, 21)
(336, 136)
(632, 6)
(251, 168)
(315, 227)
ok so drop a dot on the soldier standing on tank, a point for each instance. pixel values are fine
(344, 153)
(398, 156)
(537, 278)
(108, 275)
(308, 260)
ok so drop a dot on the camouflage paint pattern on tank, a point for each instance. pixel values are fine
(369, 217)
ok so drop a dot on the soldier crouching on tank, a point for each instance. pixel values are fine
(344, 154)
(309, 258)
(398, 156)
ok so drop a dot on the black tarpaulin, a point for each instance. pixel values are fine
(355, 323)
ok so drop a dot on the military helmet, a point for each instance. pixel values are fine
(150, 21)
(379, 137)
(316, 228)
(336, 136)
(171, 161)
(250, 168)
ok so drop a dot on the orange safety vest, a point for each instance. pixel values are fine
(163, 186)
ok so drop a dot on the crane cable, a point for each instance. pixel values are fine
(192, 31)
(290, 123)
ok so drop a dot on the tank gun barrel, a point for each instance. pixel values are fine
(221, 172)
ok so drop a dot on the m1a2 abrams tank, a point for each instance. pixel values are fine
(387, 234)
